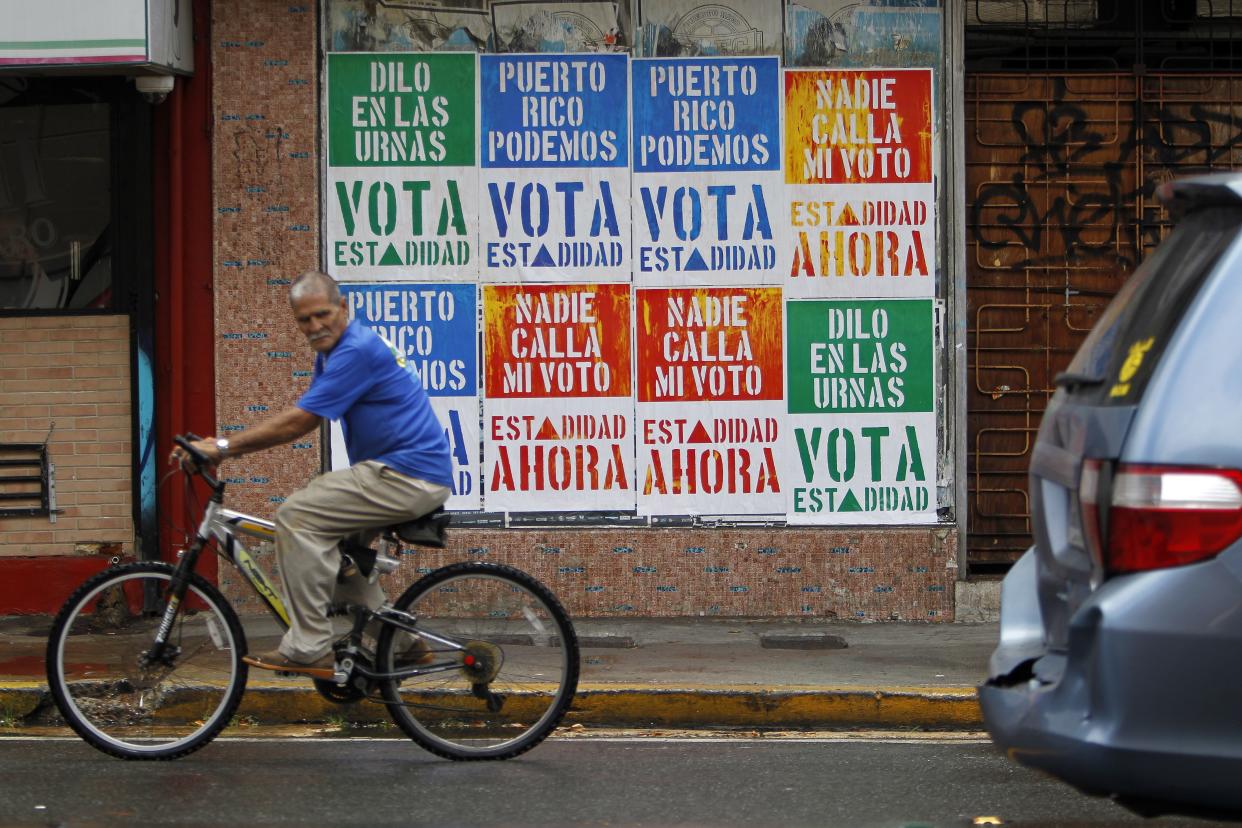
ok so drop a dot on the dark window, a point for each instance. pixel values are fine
(56, 193)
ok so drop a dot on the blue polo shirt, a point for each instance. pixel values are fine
(384, 411)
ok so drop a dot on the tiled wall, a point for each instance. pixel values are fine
(265, 173)
(861, 575)
(66, 380)
(266, 181)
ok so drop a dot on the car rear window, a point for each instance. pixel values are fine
(1123, 349)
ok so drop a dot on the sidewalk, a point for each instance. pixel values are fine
(676, 673)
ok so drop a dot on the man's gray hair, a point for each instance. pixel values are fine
(314, 283)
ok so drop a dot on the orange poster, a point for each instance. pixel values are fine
(870, 126)
(556, 341)
(698, 344)
(710, 408)
(859, 156)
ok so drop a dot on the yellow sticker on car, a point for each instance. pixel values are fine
(1134, 360)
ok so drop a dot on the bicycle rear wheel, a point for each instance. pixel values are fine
(508, 681)
(114, 696)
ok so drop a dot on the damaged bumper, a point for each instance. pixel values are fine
(1144, 701)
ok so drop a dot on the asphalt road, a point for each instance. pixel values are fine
(646, 780)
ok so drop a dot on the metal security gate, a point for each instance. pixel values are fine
(1063, 157)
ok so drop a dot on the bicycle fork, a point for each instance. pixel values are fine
(179, 584)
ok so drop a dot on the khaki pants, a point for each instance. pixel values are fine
(311, 523)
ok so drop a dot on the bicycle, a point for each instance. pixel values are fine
(144, 660)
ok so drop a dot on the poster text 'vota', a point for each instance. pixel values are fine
(555, 157)
(401, 196)
(878, 469)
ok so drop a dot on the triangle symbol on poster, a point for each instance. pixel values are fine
(547, 431)
(849, 503)
(391, 257)
(847, 216)
(695, 262)
(543, 258)
(699, 434)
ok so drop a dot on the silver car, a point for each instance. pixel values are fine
(1119, 667)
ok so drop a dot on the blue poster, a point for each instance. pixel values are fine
(434, 327)
(706, 114)
(706, 188)
(555, 180)
(553, 111)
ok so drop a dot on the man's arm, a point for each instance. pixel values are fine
(276, 430)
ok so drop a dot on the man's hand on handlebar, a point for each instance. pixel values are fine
(200, 451)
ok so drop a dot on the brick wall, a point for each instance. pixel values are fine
(69, 376)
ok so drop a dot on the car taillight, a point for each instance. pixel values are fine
(1161, 516)
(1088, 498)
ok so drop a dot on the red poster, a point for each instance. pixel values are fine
(870, 126)
(556, 341)
(700, 344)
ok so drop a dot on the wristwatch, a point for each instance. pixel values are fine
(222, 445)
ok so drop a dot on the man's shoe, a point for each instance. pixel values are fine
(322, 668)
(415, 655)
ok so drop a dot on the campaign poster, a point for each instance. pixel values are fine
(710, 409)
(707, 188)
(558, 405)
(433, 331)
(858, 162)
(862, 412)
(554, 177)
(401, 197)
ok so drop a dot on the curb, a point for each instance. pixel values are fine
(605, 705)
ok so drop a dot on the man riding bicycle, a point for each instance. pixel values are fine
(401, 468)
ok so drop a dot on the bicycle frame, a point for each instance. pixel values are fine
(224, 525)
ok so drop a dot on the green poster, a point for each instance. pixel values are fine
(401, 110)
(860, 356)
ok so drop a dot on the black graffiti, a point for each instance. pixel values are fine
(1075, 200)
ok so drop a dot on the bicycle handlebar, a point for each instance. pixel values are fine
(198, 461)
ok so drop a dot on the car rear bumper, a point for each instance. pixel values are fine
(1034, 732)
(1146, 701)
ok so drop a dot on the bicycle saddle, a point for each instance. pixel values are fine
(428, 530)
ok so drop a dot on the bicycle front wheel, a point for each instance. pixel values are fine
(502, 675)
(120, 697)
